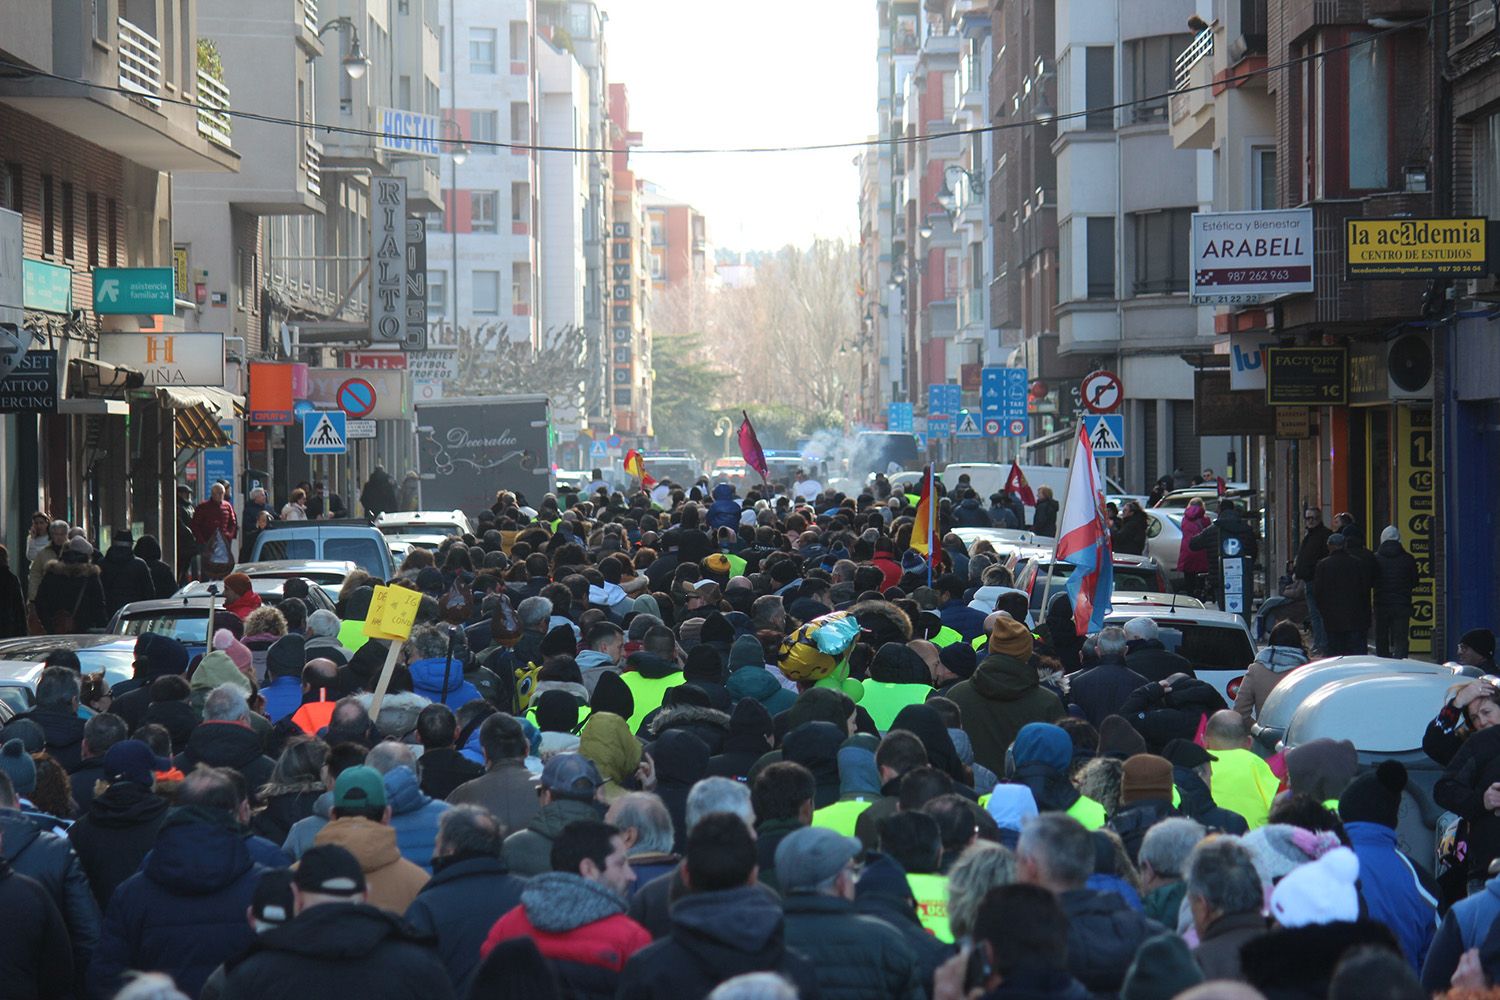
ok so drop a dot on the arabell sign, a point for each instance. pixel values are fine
(1243, 257)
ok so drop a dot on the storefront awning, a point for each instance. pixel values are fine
(1056, 437)
(198, 413)
(93, 407)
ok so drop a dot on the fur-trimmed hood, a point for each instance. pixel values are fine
(398, 712)
(884, 620)
(690, 717)
(78, 567)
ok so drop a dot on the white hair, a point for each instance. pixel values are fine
(1167, 845)
(1140, 628)
(754, 986)
(226, 703)
(718, 795)
(389, 755)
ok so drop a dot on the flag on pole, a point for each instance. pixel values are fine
(635, 467)
(924, 526)
(1016, 483)
(751, 450)
(1083, 541)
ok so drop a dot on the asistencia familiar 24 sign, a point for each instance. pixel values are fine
(1244, 257)
(1416, 248)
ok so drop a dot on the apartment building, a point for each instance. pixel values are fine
(630, 288)
(85, 185)
(681, 255)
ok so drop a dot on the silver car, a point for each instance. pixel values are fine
(21, 662)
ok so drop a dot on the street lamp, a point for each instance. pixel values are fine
(453, 138)
(355, 62)
(925, 231)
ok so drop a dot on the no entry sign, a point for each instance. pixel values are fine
(356, 397)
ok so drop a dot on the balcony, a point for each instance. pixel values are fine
(313, 167)
(1192, 101)
(214, 123)
(140, 62)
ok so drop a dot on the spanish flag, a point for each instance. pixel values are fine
(635, 467)
(925, 525)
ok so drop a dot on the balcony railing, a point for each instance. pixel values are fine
(1200, 48)
(314, 154)
(214, 123)
(140, 62)
(310, 15)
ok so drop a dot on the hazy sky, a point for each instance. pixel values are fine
(775, 72)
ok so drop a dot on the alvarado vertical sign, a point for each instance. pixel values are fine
(388, 259)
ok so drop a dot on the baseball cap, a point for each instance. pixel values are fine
(812, 855)
(330, 869)
(359, 788)
(272, 903)
(132, 760)
(572, 776)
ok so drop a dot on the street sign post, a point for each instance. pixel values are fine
(1002, 401)
(1106, 434)
(1102, 392)
(325, 432)
(356, 397)
(1235, 564)
(134, 291)
(899, 418)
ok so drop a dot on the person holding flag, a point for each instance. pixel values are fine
(635, 467)
(924, 527)
(1083, 542)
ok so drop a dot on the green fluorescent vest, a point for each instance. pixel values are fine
(648, 693)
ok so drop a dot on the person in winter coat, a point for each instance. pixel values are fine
(1129, 536)
(121, 823)
(337, 943)
(575, 912)
(183, 913)
(1284, 654)
(1003, 695)
(1061, 633)
(1101, 690)
(854, 956)
(606, 740)
(434, 674)
(124, 575)
(406, 496)
(1342, 588)
(470, 889)
(569, 786)
(1001, 514)
(1044, 521)
(1466, 788)
(1193, 563)
(56, 714)
(163, 580)
(724, 927)
(1104, 933)
(1225, 897)
(1148, 656)
(506, 789)
(1171, 709)
(1042, 756)
(1314, 547)
(361, 825)
(215, 528)
(1145, 800)
(12, 600)
(1229, 524)
(70, 598)
(1466, 925)
(970, 513)
(379, 494)
(1395, 579)
(414, 815)
(241, 600)
(35, 951)
(750, 732)
(749, 678)
(1190, 775)
(296, 785)
(898, 677)
(225, 739)
(724, 512)
(46, 543)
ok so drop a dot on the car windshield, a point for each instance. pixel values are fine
(1129, 578)
(360, 551)
(186, 625)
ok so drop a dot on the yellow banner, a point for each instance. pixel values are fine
(1415, 248)
(1414, 513)
(392, 611)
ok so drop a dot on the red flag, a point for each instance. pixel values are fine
(1016, 483)
(751, 450)
(922, 529)
(635, 466)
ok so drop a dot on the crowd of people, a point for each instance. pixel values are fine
(712, 745)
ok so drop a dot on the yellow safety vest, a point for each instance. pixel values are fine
(946, 637)
(931, 894)
(884, 701)
(1088, 812)
(1243, 783)
(841, 815)
(583, 715)
(648, 693)
(352, 635)
(1332, 805)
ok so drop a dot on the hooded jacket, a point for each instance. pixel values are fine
(1001, 697)
(34, 951)
(709, 725)
(228, 744)
(49, 860)
(62, 735)
(1392, 890)
(898, 677)
(339, 949)
(1189, 560)
(856, 956)
(579, 926)
(716, 936)
(607, 741)
(1268, 669)
(592, 664)
(681, 760)
(465, 897)
(183, 913)
(124, 576)
(427, 681)
(1104, 934)
(70, 586)
(529, 851)
(115, 834)
(1465, 926)
(750, 729)
(414, 817)
(755, 681)
(724, 512)
(392, 881)
(1197, 803)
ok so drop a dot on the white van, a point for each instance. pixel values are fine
(988, 478)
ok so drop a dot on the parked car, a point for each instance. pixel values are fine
(342, 540)
(270, 590)
(425, 522)
(1216, 643)
(413, 540)
(1134, 573)
(185, 617)
(21, 662)
(328, 575)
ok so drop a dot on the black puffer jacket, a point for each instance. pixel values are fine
(115, 834)
(62, 734)
(1198, 803)
(34, 949)
(70, 586)
(1161, 715)
(228, 744)
(1104, 934)
(1297, 963)
(1131, 822)
(1395, 578)
(125, 577)
(459, 905)
(1130, 536)
(1461, 789)
(49, 859)
(855, 956)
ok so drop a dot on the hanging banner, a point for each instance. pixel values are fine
(1413, 515)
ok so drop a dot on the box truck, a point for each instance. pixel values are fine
(470, 447)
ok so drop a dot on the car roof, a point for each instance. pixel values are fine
(1182, 613)
(38, 646)
(1154, 599)
(1122, 559)
(276, 567)
(330, 529)
(187, 601)
(1010, 536)
(1298, 684)
(1379, 713)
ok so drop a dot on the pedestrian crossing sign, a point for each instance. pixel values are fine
(1106, 433)
(325, 432)
(967, 426)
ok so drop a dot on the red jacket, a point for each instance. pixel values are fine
(606, 943)
(209, 517)
(888, 565)
(246, 603)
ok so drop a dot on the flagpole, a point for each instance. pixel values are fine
(931, 521)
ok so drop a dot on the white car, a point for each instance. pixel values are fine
(21, 662)
(1216, 643)
(424, 522)
(267, 577)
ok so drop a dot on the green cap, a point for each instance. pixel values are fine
(359, 788)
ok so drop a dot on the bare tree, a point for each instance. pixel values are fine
(490, 363)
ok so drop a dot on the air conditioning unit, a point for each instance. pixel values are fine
(1408, 364)
(1486, 288)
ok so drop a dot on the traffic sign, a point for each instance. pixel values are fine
(992, 427)
(1102, 392)
(899, 417)
(1002, 398)
(361, 429)
(325, 432)
(1018, 427)
(598, 450)
(356, 397)
(613, 441)
(134, 290)
(967, 427)
(944, 399)
(939, 427)
(1106, 433)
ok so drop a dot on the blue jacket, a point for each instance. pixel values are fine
(724, 512)
(1466, 926)
(964, 620)
(427, 681)
(183, 913)
(969, 514)
(414, 817)
(1392, 890)
(460, 905)
(283, 697)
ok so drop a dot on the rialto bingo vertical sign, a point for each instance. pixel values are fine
(1244, 257)
(388, 259)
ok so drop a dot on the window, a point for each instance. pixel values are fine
(582, 23)
(242, 268)
(1486, 159)
(658, 231)
(520, 201)
(442, 40)
(1099, 86)
(658, 265)
(1161, 251)
(10, 186)
(1100, 234)
(1369, 115)
(1263, 169)
(437, 293)
(481, 50)
(483, 128)
(1150, 63)
(49, 217)
(486, 293)
(112, 220)
(67, 220)
(520, 283)
(482, 211)
(520, 42)
(91, 210)
(520, 122)
(403, 93)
